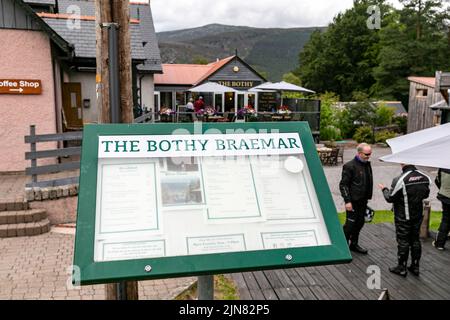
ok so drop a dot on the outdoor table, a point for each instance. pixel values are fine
(214, 118)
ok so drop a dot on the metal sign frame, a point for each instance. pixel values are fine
(91, 272)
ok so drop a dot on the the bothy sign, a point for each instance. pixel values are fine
(21, 87)
(208, 145)
(233, 197)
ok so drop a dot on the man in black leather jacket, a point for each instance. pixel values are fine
(443, 183)
(407, 194)
(356, 188)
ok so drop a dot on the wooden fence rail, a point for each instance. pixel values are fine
(34, 170)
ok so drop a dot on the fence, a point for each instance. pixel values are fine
(312, 117)
(34, 155)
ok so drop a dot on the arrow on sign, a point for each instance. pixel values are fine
(17, 90)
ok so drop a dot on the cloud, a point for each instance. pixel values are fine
(176, 14)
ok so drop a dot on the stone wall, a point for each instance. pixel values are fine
(59, 202)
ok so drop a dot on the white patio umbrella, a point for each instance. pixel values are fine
(212, 87)
(428, 148)
(283, 86)
(280, 86)
(215, 88)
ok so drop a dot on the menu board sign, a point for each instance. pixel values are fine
(198, 199)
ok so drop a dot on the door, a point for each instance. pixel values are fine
(72, 107)
(157, 102)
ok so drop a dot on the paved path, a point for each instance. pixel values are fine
(38, 268)
(383, 173)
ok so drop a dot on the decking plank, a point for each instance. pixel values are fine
(266, 287)
(387, 257)
(283, 287)
(300, 284)
(348, 281)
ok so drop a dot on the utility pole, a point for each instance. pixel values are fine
(114, 74)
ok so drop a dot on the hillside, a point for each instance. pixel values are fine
(273, 52)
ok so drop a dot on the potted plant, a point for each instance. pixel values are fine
(166, 114)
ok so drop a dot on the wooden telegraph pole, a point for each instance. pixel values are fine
(114, 74)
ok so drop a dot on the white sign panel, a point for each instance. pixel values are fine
(199, 145)
(167, 196)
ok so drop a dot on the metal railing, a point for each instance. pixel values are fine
(312, 117)
(179, 117)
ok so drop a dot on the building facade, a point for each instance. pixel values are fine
(41, 42)
(172, 86)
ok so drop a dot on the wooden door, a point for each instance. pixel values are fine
(72, 107)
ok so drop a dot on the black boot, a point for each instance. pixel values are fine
(357, 248)
(400, 269)
(414, 267)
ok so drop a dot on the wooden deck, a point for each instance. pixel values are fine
(348, 282)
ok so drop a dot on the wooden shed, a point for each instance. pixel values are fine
(422, 95)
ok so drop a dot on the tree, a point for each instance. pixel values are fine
(199, 60)
(292, 78)
(341, 59)
(415, 42)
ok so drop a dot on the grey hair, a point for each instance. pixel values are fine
(361, 147)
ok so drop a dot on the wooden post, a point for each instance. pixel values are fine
(102, 15)
(205, 287)
(425, 227)
(115, 11)
(120, 14)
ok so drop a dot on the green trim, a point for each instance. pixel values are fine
(92, 272)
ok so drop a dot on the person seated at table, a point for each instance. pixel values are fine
(199, 104)
(190, 105)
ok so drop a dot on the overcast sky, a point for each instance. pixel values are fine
(183, 14)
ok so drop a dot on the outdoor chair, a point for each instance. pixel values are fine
(340, 154)
(329, 158)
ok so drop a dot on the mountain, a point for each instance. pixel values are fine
(271, 51)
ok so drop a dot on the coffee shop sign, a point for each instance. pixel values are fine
(20, 86)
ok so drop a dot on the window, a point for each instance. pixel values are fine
(421, 93)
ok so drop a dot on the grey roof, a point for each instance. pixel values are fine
(144, 14)
(84, 38)
(396, 105)
(87, 7)
(145, 29)
(441, 105)
(44, 2)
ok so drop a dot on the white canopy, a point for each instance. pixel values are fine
(212, 87)
(428, 148)
(282, 86)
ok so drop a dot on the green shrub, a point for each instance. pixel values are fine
(402, 123)
(363, 134)
(330, 133)
(384, 115)
(382, 136)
